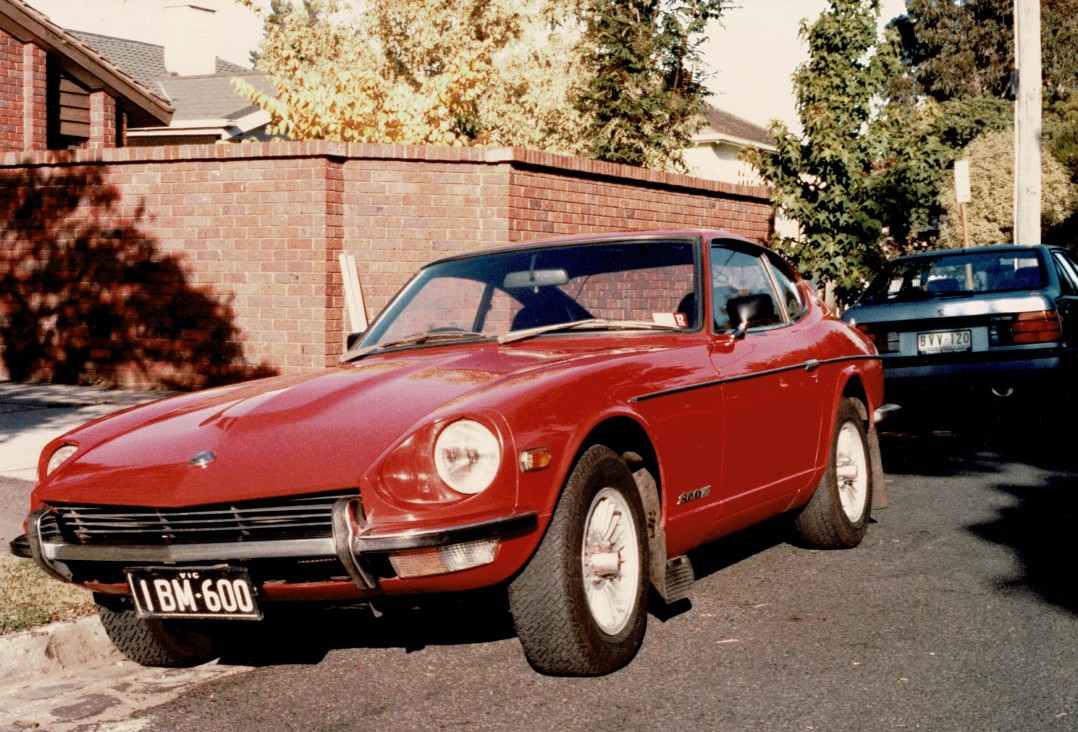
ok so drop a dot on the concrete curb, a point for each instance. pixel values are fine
(53, 648)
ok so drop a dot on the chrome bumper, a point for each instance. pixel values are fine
(352, 539)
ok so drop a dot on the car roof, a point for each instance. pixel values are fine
(974, 250)
(599, 238)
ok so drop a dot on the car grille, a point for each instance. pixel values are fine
(293, 517)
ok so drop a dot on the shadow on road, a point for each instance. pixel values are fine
(306, 635)
(1039, 529)
(1036, 439)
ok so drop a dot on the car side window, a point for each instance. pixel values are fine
(735, 273)
(1068, 273)
(789, 292)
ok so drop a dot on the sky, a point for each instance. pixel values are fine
(752, 53)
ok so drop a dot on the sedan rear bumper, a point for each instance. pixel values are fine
(981, 363)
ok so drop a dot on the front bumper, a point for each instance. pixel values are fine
(353, 543)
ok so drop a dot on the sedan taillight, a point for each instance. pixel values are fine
(1042, 326)
(885, 341)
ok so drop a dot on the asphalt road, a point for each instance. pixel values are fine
(958, 612)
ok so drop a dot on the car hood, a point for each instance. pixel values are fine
(293, 434)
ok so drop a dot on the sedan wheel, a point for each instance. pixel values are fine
(580, 605)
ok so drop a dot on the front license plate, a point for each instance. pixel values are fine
(193, 592)
(950, 341)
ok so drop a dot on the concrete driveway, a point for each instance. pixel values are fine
(30, 416)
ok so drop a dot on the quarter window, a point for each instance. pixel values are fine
(735, 273)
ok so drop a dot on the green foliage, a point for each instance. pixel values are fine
(916, 145)
(990, 213)
(642, 96)
(617, 80)
(965, 48)
(822, 179)
(1061, 132)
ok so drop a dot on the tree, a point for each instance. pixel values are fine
(617, 80)
(821, 179)
(451, 72)
(644, 89)
(965, 48)
(916, 143)
(990, 213)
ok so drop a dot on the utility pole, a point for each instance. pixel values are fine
(1027, 123)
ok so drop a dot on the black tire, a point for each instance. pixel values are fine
(550, 603)
(826, 521)
(151, 642)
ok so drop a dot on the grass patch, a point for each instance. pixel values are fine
(31, 598)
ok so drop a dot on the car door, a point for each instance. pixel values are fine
(772, 396)
(1067, 271)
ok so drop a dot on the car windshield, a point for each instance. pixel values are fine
(607, 285)
(948, 275)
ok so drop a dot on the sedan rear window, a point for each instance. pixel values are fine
(919, 278)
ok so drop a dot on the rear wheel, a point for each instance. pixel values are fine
(150, 642)
(837, 515)
(580, 605)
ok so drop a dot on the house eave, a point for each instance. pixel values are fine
(144, 108)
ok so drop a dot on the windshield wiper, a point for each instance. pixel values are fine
(589, 324)
(415, 339)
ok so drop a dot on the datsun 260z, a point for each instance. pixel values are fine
(561, 421)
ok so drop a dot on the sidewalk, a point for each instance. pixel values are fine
(32, 414)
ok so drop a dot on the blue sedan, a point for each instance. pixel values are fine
(994, 319)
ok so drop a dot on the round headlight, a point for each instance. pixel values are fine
(467, 456)
(61, 454)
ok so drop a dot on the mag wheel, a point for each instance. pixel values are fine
(149, 642)
(837, 515)
(580, 605)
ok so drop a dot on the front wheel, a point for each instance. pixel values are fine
(151, 642)
(837, 515)
(580, 605)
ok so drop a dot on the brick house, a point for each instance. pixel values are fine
(56, 93)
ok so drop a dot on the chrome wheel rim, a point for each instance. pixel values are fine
(610, 559)
(851, 471)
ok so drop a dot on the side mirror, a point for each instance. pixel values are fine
(749, 311)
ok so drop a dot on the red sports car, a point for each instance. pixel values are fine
(564, 420)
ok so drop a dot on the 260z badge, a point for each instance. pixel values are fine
(695, 495)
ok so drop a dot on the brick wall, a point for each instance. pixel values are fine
(10, 93)
(189, 265)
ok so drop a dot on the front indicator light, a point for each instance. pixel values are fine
(443, 560)
(538, 458)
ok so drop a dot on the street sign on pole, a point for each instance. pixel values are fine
(961, 181)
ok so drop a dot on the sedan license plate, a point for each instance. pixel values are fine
(946, 342)
(193, 592)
